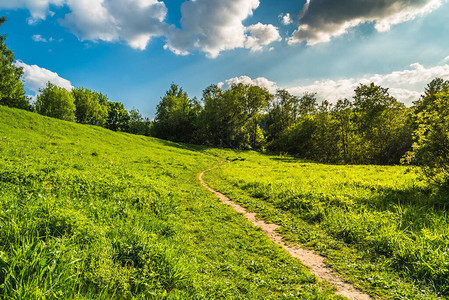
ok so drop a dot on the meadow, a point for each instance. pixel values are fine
(87, 213)
(384, 228)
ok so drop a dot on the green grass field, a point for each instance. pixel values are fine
(382, 227)
(86, 213)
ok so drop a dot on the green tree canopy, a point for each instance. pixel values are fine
(12, 92)
(343, 114)
(230, 117)
(283, 112)
(90, 107)
(118, 116)
(56, 102)
(176, 116)
(380, 118)
(431, 147)
(215, 118)
(307, 104)
(435, 87)
(138, 124)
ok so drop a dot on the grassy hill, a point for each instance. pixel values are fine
(87, 213)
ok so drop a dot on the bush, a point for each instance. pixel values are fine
(431, 147)
(56, 102)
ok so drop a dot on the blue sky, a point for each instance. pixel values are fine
(132, 50)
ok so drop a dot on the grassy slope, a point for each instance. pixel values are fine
(87, 213)
(381, 227)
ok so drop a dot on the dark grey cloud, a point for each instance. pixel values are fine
(320, 20)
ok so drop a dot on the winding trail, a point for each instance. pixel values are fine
(313, 261)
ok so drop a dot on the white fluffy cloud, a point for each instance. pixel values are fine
(134, 21)
(36, 78)
(406, 85)
(209, 26)
(261, 35)
(39, 9)
(323, 19)
(261, 81)
(212, 26)
(286, 19)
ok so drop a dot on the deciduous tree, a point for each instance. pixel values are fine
(283, 112)
(307, 104)
(431, 147)
(138, 124)
(230, 117)
(378, 117)
(56, 102)
(118, 116)
(176, 116)
(90, 107)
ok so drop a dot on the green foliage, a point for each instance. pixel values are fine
(137, 124)
(118, 117)
(216, 119)
(298, 139)
(325, 136)
(431, 149)
(374, 129)
(382, 227)
(91, 107)
(12, 92)
(56, 102)
(343, 114)
(87, 213)
(282, 113)
(379, 119)
(427, 100)
(307, 104)
(176, 116)
(230, 118)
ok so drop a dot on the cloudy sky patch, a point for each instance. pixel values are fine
(133, 50)
(320, 20)
(405, 85)
(36, 78)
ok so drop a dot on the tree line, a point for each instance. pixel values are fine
(371, 128)
(89, 107)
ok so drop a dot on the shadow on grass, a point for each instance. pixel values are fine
(431, 198)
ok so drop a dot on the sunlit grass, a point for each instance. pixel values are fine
(87, 213)
(383, 227)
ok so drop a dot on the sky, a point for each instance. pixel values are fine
(132, 50)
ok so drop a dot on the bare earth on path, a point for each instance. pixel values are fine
(314, 261)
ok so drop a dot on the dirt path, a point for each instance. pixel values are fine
(309, 258)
